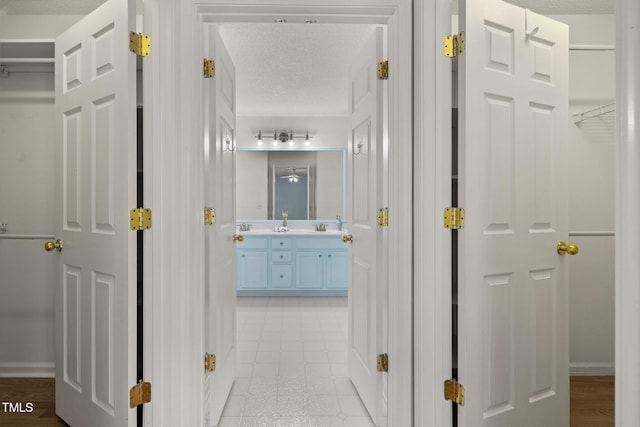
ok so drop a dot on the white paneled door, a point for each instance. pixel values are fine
(96, 187)
(513, 305)
(367, 282)
(220, 189)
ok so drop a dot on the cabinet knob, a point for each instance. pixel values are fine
(320, 256)
(242, 255)
(281, 256)
(281, 243)
(329, 255)
(282, 276)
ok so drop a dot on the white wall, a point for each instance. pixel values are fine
(329, 188)
(590, 172)
(252, 188)
(27, 174)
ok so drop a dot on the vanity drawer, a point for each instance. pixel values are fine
(281, 276)
(281, 256)
(281, 243)
(253, 243)
(321, 242)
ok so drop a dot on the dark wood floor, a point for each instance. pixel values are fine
(592, 402)
(39, 392)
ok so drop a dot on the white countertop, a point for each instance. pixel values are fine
(292, 232)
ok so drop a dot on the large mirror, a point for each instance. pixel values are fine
(309, 185)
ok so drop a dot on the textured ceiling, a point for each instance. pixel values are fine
(292, 69)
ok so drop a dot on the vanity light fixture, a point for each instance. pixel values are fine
(284, 137)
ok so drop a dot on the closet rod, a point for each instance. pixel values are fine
(27, 236)
(591, 47)
(27, 60)
(592, 233)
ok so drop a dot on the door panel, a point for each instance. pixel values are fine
(96, 131)
(220, 262)
(513, 323)
(366, 282)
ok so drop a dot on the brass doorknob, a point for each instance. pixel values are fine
(57, 245)
(238, 238)
(347, 238)
(564, 248)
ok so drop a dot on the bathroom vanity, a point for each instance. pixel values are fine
(292, 263)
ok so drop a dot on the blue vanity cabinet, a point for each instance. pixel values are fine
(281, 263)
(292, 265)
(337, 269)
(253, 264)
(322, 265)
(309, 269)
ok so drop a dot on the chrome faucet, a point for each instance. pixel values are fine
(320, 227)
(245, 227)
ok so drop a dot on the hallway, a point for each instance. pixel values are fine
(292, 365)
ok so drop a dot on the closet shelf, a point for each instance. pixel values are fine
(594, 113)
(23, 55)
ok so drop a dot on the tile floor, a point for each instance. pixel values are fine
(292, 365)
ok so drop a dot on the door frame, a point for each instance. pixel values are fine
(178, 263)
(627, 241)
(432, 276)
(399, 129)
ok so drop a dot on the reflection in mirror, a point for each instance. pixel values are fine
(291, 193)
(321, 174)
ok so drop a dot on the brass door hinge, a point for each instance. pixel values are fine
(454, 45)
(209, 68)
(140, 219)
(454, 218)
(209, 216)
(139, 43)
(383, 362)
(383, 217)
(139, 394)
(209, 362)
(454, 391)
(383, 70)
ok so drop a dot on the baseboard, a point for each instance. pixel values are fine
(31, 370)
(591, 369)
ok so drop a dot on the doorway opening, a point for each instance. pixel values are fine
(315, 97)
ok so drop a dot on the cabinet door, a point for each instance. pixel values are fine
(253, 270)
(309, 269)
(336, 269)
(281, 276)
